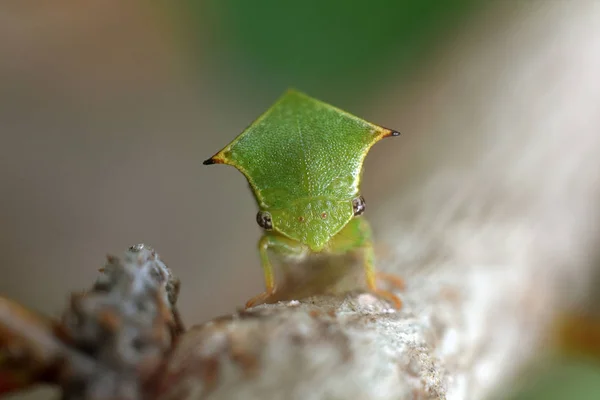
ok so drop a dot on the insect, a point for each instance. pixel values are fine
(303, 159)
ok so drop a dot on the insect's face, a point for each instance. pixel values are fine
(312, 222)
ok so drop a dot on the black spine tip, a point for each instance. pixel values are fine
(210, 161)
(395, 133)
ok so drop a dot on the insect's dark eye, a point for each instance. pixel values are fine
(359, 205)
(263, 218)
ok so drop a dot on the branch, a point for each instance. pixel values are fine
(123, 339)
(349, 347)
(110, 341)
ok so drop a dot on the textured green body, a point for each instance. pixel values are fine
(303, 160)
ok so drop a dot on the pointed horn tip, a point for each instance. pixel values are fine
(214, 160)
(391, 132)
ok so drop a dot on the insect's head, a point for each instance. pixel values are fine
(311, 221)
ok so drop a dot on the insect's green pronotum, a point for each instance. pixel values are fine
(303, 159)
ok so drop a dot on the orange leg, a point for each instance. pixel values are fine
(371, 281)
(357, 235)
(259, 298)
(392, 279)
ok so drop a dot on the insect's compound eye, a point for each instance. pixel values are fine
(263, 218)
(359, 206)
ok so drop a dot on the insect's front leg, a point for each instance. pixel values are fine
(371, 274)
(357, 236)
(281, 245)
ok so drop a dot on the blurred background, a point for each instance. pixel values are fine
(108, 108)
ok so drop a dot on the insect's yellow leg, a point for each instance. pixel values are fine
(281, 245)
(357, 235)
(371, 275)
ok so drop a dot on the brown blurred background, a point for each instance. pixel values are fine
(107, 109)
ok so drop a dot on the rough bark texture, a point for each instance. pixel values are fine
(321, 348)
(354, 346)
(110, 341)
